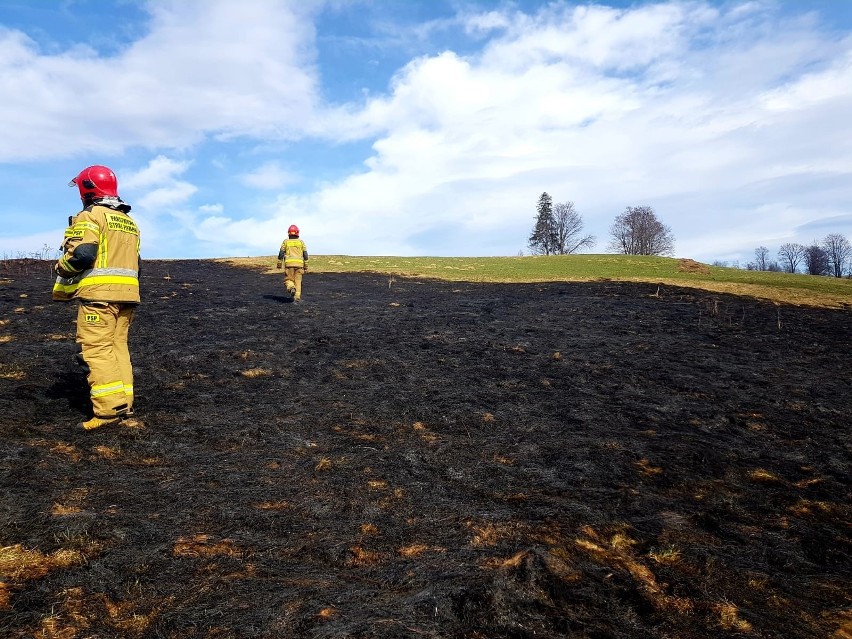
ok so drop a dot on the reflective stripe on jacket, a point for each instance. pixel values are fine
(114, 275)
(293, 252)
(63, 289)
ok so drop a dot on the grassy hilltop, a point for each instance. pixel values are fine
(806, 290)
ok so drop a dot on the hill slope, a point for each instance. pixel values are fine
(805, 290)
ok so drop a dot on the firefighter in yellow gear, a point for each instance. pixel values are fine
(294, 255)
(100, 268)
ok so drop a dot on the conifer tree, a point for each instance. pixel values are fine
(543, 240)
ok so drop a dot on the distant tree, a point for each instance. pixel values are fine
(637, 231)
(816, 260)
(568, 227)
(791, 255)
(761, 260)
(726, 263)
(774, 267)
(839, 253)
(543, 239)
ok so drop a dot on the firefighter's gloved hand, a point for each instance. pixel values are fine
(278, 264)
(306, 268)
(61, 272)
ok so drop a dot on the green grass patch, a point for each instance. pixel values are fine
(786, 288)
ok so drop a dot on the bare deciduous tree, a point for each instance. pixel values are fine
(568, 227)
(839, 251)
(761, 260)
(791, 255)
(637, 231)
(816, 260)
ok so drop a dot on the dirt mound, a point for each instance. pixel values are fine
(686, 265)
(424, 458)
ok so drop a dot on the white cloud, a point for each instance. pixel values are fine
(482, 23)
(595, 36)
(159, 171)
(268, 176)
(157, 187)
(205, 67)
(169, 196)
(814, 88)
(239, 237)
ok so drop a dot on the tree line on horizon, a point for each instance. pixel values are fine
(830, 256)
(558, 230)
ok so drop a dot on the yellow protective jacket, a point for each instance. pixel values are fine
(101, 259)
(294, 253)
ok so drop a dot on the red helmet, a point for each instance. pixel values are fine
(95, 182)
(293, 230)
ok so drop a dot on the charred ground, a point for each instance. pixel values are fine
(400, 458)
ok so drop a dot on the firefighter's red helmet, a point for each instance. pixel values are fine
(95, 182)
(293, 230)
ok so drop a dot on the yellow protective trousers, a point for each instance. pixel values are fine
(102, 330)
(293, 281)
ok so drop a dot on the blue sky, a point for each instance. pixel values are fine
(428, 127)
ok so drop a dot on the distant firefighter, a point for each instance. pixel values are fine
(100, 268)
(294, 255)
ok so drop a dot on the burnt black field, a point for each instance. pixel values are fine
(417, 458)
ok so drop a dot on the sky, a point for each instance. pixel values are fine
(428, 127)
